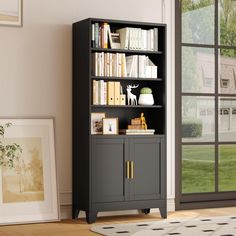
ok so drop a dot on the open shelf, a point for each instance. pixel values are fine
(125, 136)
(125, 78)
(126, 106)
(145, 52)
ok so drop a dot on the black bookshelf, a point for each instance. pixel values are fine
(100, 186)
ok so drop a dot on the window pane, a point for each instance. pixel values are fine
(198, 70)
(227, 119)
(227, 14)
(198, 119)
(227, 168)
(198, 169)
(198, 21)
(227, 71)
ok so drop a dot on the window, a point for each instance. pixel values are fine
(205, 98)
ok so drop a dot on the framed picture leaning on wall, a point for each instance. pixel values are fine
(28, 186)
(11, 12)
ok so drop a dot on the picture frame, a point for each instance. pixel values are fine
(11, 12)
(96, 122)
(28, 185)
(114, 39)
(110, 126)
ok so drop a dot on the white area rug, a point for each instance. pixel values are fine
(214, 226)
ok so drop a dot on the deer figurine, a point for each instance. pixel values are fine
(132, 100)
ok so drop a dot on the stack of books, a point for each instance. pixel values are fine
(137, 131)
(136, 128)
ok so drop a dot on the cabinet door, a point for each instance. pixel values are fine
(146, 153)
(107, 169)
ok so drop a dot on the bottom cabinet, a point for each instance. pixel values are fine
(127, 173)
(107, 170)
(145, 155)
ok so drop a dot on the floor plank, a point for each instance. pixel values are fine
(81, 228)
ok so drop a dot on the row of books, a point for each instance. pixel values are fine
(108, 93)
(120, 65)
(109, 64)
(138, 39)
(100, 34)
(124, 38)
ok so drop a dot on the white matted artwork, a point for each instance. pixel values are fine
(28, 186)
(96, 122)
(110, 126)
(11, 12)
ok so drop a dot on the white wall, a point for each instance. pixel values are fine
(36, 69)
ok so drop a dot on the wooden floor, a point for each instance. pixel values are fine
(81, 228)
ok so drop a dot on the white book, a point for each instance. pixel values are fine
(99, 63)
(141, 66)
(144, 40)
(135, 68)
(154, 71)
(102, 63)
(148, 71)
(148, 40)
(124, 37)
(105, 93)
(123, 65)
(156, 39)
(117, 65)
(140, 39)
(129, 65)
(119, 74)
(110, 64)
(136, 39)
(93, 35)
(131, 38)
(152, 39)
(101, 92)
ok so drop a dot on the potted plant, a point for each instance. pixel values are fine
(146, 97)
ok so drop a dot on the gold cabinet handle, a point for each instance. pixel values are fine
(131, 170)
(128, 169)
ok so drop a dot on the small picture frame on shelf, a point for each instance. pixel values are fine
(97, 122)
(110, 126)
(114, 39)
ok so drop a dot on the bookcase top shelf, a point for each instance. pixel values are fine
(125, 78)
(126, 23)
(126, 106)
(145, 52)
(97, 136)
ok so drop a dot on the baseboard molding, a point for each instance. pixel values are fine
(66, 211)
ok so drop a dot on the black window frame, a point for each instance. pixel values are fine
(198, 200)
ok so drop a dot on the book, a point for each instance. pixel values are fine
(96, 34)
(114, 40)
(95, 92)
(124, 37)
(117, 93)
(137, 131)
(110, 93)
(123, 99)
(155, 39)
(93, 35)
